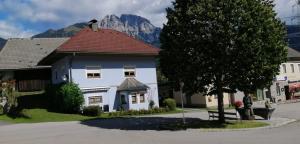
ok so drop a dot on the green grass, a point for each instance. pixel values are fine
(42, 115)
(206, 124)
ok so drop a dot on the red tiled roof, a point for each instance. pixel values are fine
(106, 41)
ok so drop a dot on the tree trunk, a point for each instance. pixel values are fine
(188, 100)
(220, 101)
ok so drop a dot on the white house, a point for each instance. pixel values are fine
(283, 84)
(112, 69)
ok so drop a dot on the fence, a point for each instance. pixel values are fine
(32, 85)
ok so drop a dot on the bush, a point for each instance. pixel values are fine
(66, 98)
(137, 112)
(92, 111)
(1, 110)
(170, 104)
(151, 104)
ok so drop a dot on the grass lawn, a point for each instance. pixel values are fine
(206, 124)
(42, 115)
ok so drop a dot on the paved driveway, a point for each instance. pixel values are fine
(117, 132)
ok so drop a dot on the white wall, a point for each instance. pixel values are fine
(112, 75)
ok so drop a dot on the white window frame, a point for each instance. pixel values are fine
(125, 70)
(86, 72)
(292, 68)
(284, 68)
(96, 103)
(136, 98)
(144, 95)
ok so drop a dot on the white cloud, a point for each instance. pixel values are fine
(66, 12)
(7, 30)
(70, 11)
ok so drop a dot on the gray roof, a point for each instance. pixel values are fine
(131, 84)
(25, 53)
(292, 53)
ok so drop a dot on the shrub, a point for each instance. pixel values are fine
(72, 97)
(170, 104)
(66, 98)
(1, 110)
(151, 104)
(137, 112)
(92, 111)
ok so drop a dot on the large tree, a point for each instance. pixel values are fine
(222, 46)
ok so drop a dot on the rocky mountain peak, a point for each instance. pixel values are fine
(135, 26)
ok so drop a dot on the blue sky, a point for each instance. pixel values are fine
(24, 18)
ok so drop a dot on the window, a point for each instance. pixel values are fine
(292, 68)
(95, 99)
(284, 68)
(299, 67)
(93, 72)
(142, 98)
(129, 71)
(133, 98)
(123, 99)
(278, 89)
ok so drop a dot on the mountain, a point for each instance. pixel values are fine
(133, 25)
(2, 42)
(64, 32)
(294, 36)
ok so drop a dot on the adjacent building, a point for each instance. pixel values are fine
(19, 58)
(200, 100)
(285, 84)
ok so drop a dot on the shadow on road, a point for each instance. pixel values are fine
(152, 123)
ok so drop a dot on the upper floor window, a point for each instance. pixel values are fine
(129, 71)
(93, 72)
(292, 68)
(299, 67)
(284, 68)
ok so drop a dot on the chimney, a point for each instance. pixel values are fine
(93, 24)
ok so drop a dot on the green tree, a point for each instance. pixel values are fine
(222, 46)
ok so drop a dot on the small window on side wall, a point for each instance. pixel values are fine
(129, 71)
(93, 72)
(133, 98)
(142, 98)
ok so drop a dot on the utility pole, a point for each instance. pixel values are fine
(181, 95)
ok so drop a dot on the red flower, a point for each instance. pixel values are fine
(238, 104)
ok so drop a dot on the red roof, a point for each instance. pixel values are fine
(106, 41)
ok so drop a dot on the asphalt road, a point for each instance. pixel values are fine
(112, 132)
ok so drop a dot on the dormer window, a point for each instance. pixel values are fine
(129, 71)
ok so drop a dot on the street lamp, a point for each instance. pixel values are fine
(181, 95)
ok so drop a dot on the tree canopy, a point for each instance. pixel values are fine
(222, 46)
